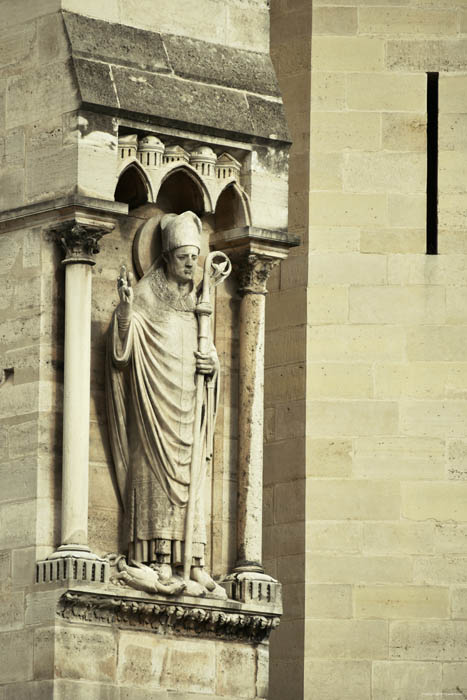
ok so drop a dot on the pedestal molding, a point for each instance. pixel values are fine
(167, 617)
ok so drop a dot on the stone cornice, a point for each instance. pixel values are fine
(200, 619)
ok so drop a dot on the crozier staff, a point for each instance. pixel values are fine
(151, 368)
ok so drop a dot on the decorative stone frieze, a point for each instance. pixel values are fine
(150, 152)
(227, 167)
(127, 146)
(203, 159)
(176, 154)
(167, 617)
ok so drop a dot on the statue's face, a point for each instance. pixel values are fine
(181, 263)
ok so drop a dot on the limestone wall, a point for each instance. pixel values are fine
(386, 413)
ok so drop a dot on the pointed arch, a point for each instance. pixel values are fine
(181, 189)
(232, 208)
(133, 186)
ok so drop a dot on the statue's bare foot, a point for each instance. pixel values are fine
(199, 575)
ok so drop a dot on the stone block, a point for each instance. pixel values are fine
(285, 345)
(456, 299)
(452, 171)
(345, 209)
(327, 679)
(428, 640)
(339, 536)
(248, 27)
(403, 132)
(290, 423)
(327, 92)
(438, 500)
(11, 188)
(453, 132)
(452, 210)
(347, 54)
(433, 418)
(140, 660)
(337, 239)
(333, 568)
(284, 384)
(76, 690)
(206, 20)
(33, 96)
(190, 666)
(454, 680)
(23, 566)
(339, 380)
(328, 601)
(290, 569)
(19, 479)
(399, 458)
(219, 64)
(347, 268)
(229, 659)
(329, 457)
(426, 55)
(451, 90)
(385, 172)
(87, 654)
(451, 538)
(401, 602)
(407, 211)
(407, 21)
(401, 305)
(289, 502)
(344, 639)
(18, 524)
(16, 650)
(440, 570)
(406, 681)
(286, 308)
(17, 47)
(386, 93)
(457, 465)
(330, 20)
(430, 380)
(356, 343)
(353, 500)
(336, 131)
(325, 171)
(285, 457)
(459, 603)
(327, 304)
(107, 9)
(442, 343)
(353, 418)
(283, 540)
(262, 670)
(11, 611)
(15, 13)
(10, 246)
(398, 538)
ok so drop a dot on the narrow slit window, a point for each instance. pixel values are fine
(432, 163)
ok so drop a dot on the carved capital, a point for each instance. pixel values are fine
(80, 242)
(253, 273)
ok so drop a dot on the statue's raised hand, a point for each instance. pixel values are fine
(125, 292)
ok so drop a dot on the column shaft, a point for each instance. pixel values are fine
(251, 413)
(76, 400)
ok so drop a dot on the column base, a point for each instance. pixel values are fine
(254, 588)
(73, 563)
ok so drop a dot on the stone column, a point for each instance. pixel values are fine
(254, 271)
(80, 242)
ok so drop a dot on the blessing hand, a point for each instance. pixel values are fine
(125, 291)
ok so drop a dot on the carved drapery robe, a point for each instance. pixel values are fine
(150, 400)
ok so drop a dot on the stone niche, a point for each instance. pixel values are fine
(175, 125)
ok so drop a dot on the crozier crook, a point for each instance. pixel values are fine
(217, 267)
